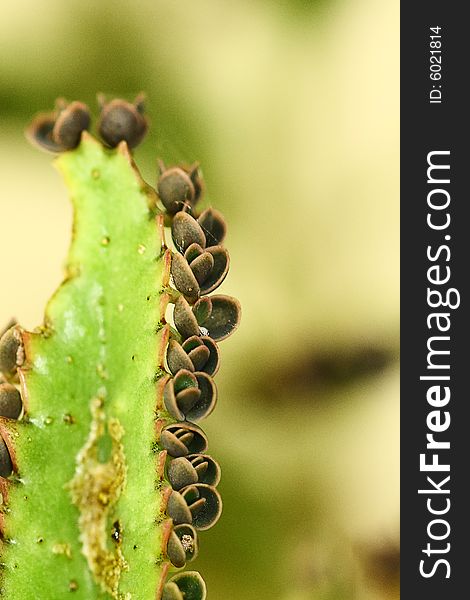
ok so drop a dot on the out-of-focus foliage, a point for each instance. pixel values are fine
(292, 110)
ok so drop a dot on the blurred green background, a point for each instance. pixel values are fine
(292, 108)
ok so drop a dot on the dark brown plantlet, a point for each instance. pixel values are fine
(181, 473)
(183, 277)
(192, 252)
(122, 121)
(185, 586)
(178, 509)
(207, 468)
(185, 231)
(70, 123)
(199, 357)
(182, 545)
(212, 278)
(190, 396)
(181, 393)
(224, 317)
(207, 401)
(195, 354)
(181, 439)
(11, 352)
(194, 468)
(62, 129)
(209, 266)
(202, 265)
(177, 358)
(217, 317)
(175, 551)
(179, 188)
(10, 401)
(204, 353)
(184, 318)
(189, 540)
(205, 504)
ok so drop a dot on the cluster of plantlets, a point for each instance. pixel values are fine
(104, 475)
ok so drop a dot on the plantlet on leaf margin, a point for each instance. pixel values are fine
(62, 129)
(104, 477)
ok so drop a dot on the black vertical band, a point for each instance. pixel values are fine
(435, 316)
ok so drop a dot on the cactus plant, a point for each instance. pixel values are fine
(104, 477)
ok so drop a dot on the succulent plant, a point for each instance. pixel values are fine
(104, 477)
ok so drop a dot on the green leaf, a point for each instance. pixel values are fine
(84, 514)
